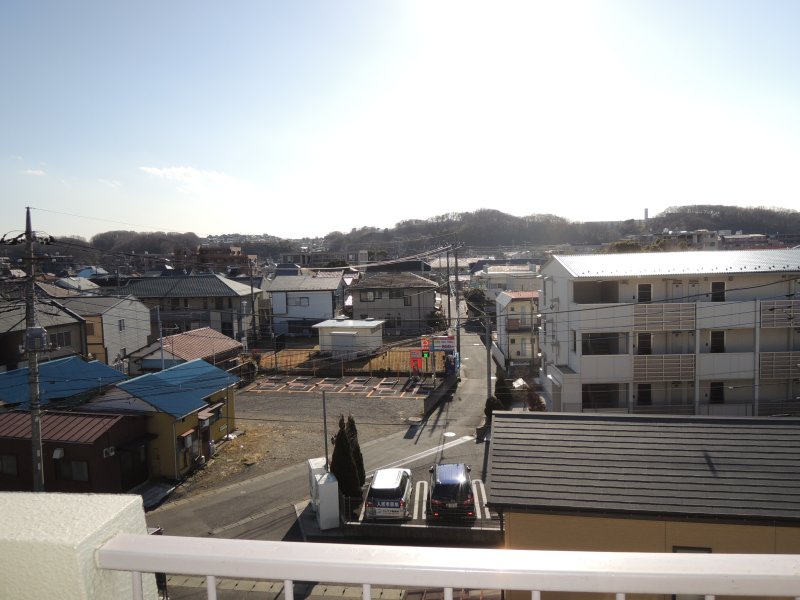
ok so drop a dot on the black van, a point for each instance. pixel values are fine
(450, 492)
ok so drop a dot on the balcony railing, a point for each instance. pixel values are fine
(534, 572)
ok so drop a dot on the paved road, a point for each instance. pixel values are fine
(263, 507)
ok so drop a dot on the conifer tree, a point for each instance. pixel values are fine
(342, 464)
(358, 458)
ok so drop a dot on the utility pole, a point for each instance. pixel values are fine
(35, 340)
(488, 355)
(458, 303)
(449, 315)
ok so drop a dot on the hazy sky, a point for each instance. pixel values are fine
(303, 117)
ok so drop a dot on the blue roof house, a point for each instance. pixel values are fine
(191, 410)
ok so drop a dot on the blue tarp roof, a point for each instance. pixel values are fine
(182, 389)
(58, 379)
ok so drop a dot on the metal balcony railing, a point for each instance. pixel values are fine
(534, 572)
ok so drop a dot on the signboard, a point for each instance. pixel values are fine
(415, 353)
(444, 342)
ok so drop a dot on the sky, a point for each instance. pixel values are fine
(299, 118)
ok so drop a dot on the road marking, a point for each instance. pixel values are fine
(421, 500)
(476, 485)
(424, 453)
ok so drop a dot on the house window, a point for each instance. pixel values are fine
(406, 300)
(718, 291)
(644, 341)
(398, 321)
(72, 470)
(716, 393)
(574, 340)
(644, 394)
(218, 305)
(63, 339)
(121, 324)
(366, 296)
(8, 464)
(378, 295)
(89, 328)
(717, 341)
(645, 292)
(297, 301)
(395, 294)
(389, 321)
(175, 303)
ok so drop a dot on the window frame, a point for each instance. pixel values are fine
(643, 296)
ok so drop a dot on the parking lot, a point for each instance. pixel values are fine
(364, 385)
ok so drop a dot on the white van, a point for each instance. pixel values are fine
(389, 495)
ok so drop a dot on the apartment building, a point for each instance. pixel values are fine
(517, 346)
(713, 333)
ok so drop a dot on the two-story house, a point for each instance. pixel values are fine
(678, 332)
(114, 326)
(185, 302)
(405, 301)
(301, 301)
(517, 339)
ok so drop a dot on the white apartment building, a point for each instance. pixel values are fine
(677, 332)
(494, 279)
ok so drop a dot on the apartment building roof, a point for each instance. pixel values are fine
(680, 263)
(657, 467)
(303, 283)
(382, 281)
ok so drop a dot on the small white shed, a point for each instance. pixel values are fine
(347, 336)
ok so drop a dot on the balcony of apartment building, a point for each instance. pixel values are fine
(96, 546)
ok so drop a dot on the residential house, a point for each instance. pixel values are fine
(636, 483)
(517, 334)
(114, 326)
(88, 453)
(675, 332)
(349, 336)
(418, 267)
(66, 332)
(185, 302)
(405, 301)
(301, 301)
(204, 343)
(62, 381)
(190, 409)
(82, 285)
(494, 279)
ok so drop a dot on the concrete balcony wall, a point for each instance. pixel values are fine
(726, 315)
(726, 365)
(49, 545)
(606, 368)
(602, 317)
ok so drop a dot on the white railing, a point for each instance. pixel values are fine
(448, 568)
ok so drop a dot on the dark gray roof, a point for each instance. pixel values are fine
(48, 314)
(382, 281)
(296, 283)
(678, 467)
(90, 305)
(186, 286)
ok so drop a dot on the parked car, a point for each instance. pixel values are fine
(389, 495)
(450, 492)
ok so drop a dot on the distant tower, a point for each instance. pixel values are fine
(645, 218)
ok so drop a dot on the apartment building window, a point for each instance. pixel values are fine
(718, 291)
(644, 394)
(717, 342)
(121, 324)
(574, 340)
(297, 301)
(644, 343)
(72, 470)
(716, 393)
(645, 292)
(8, 464)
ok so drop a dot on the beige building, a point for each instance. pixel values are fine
(631, 483)
(405, 301)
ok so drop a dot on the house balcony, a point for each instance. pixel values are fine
(726, 365)
(96, 546)
(516, 325)
(181, 314)
(780, 313)
(779, 365)
(664, 317)
(609, 367)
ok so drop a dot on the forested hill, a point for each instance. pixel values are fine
(480, 229)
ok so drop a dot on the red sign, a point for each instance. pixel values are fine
(425, 344)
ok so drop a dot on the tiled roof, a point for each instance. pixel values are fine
(180, 390)
(58, 427)
(681, 467)
(90, 305)
(197, 343)
(712, 262)
(48, 314)
(58, 380)
(382, 281)
(297, 283)
(186, 286)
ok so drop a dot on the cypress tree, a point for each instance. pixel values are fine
(342, 464)
(358, 458)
